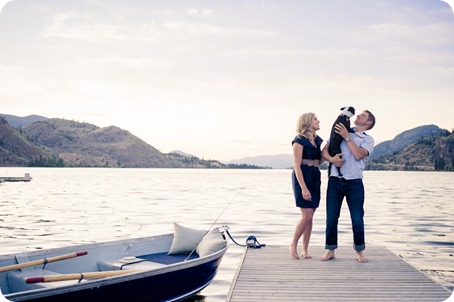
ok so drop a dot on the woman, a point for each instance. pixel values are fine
(306, 178)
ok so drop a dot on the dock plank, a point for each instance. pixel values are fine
(270, 274)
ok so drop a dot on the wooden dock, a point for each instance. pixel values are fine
(270, 274)
(25, 178)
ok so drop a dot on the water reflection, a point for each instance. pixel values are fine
(410, 213)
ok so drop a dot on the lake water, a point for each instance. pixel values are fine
(410, 213)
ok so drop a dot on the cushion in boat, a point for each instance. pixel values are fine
(185, 239)
(212, 242)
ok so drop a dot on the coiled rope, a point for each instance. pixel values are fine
(251, 241)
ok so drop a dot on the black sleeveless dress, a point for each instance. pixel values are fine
(311, 174)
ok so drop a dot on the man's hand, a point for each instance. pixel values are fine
(341, 130)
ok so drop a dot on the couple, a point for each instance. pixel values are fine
(307, 156)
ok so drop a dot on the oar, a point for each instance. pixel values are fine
(78, 276)
(41, 261)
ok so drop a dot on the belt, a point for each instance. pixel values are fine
(311, 162)
(339, 178)
(343, 179)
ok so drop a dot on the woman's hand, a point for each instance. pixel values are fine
(307, 194)
(337, 160)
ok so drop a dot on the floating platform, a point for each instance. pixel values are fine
(26, 178)
(270, 274)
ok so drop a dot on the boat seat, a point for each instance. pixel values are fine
(16, 280)
(128, 263)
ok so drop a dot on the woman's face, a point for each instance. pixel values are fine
(315, 123)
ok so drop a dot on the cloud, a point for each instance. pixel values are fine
(205, 29)
(227, 69)
(85, 26)
(12, 88)
(434, 35)
(203, 12)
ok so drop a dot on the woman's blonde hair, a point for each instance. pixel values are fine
(304, 125)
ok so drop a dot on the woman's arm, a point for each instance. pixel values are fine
(335, 160)
(297, 158)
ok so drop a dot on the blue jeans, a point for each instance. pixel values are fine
(353, 191)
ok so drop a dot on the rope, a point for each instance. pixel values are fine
(251, 242)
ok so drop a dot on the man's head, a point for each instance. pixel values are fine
(365, 120)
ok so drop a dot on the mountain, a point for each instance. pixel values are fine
(181, 153)
(19, 122)
(59, 143)
(15, 149)
(422, 148)
(39, 141)
(278, 161)
(84, 144)
(426, 154)
(405, 139)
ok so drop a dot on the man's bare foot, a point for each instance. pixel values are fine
(306, 255)
(360, 257)
(293, 252)
(328, 255)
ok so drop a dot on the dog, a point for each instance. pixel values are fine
(335, 139)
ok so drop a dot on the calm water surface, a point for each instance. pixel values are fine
(411, 213)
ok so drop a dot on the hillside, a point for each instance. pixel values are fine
(277, 161)
(84, 144)
(15, 150)
(426, 154)
(59, 142)
(43, 142)
(422, 148)
(19, 122)
(405, 139)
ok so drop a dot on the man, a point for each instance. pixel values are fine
(355, 148)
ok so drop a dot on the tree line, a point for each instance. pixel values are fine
(42, 161)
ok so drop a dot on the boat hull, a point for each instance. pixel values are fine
(172, 286)
(172, 281)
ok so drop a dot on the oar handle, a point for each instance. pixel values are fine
(41, 261)
(78, 276)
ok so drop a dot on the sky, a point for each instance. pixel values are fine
(228, 79)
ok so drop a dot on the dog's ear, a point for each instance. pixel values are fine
(352, 109)
(342, 108)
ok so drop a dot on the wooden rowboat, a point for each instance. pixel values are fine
(139, 269)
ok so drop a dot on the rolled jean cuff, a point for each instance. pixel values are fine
(330, 247)
(359, 248)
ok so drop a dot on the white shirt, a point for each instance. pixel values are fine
(353, 168)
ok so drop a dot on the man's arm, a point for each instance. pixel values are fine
(358, 152)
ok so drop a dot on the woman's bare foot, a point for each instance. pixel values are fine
(306, 255)
(360, 257)
(328, 255)
(293, 252)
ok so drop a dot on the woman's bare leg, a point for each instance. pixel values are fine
(304, 226)
(307, 233)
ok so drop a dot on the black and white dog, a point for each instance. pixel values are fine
(335, 139)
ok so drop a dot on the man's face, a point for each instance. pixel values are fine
(362, 119)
